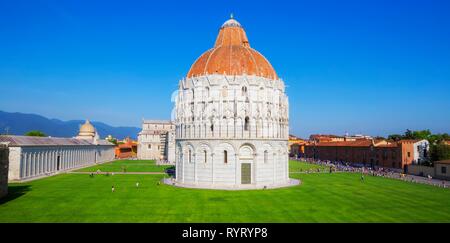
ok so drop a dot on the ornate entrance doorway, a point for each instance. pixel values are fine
(246, 173)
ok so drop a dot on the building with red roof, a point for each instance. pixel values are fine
(373, 152)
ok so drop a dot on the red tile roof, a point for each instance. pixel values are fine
(232, 55)
(357, 143)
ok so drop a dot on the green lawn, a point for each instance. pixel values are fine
(301, 166)
(337, 197)
(130, 165)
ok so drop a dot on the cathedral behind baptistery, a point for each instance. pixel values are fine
(232, 119)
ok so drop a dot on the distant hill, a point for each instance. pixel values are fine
(19, 123)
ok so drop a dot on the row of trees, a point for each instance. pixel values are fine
(35, 133)
(438, 149)
(421, 134)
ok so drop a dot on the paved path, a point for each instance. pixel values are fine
(117, 173)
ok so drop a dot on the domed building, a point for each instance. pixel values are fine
(232, 118)
(36, 157)
(87, 131)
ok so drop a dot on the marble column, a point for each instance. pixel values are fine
(274, 159)
(212, 168)
(195, 167)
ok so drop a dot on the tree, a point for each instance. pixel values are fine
(439, 152)
(35, 133)
(408, 134)
(438, 138)
(112, 140)
(421, 134)
(395, 137)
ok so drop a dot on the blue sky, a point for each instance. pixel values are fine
(372, 67)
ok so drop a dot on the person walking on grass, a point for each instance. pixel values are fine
(362, 177)
(112, 189)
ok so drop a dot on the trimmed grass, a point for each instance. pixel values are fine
(297, 166)
(130, 165)
(337, 197)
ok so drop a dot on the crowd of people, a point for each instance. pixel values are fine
(339, 166)
(163, 162)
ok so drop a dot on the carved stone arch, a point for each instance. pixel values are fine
(189, 157)
(266, 152)
(231, 149)
(188, 146)
(244, 152)
(204, 146)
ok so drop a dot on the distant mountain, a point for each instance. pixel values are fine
(20, 123)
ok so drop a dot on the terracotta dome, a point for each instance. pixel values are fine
(232, 55)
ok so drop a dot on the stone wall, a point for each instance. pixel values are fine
(442, 171)
(4, 162)
(421, 170)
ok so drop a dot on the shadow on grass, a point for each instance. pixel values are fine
(15, 192)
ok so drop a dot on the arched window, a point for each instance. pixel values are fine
(225, 157)
(206, 156)
(266, 156)
(246, 124)
(190, 156)
(244, 91)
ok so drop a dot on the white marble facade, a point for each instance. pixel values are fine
(26, 162)
(232, 118)
(35, 157)
(223, 122)
(156, 141)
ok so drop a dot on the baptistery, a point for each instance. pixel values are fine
(232, 119)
